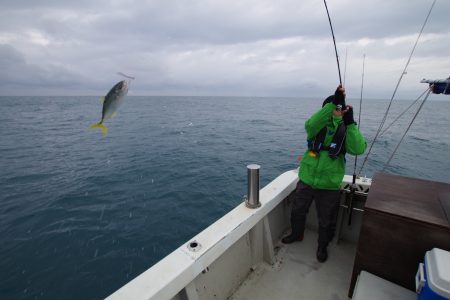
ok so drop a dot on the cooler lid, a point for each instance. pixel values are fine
(437, 263)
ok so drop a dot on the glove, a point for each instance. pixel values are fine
(339, 97)
(348, 116)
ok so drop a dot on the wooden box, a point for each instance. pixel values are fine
(403, 218)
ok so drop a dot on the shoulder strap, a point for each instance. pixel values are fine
(317, 143)
(337, 145)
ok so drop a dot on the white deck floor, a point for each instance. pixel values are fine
(298, 275)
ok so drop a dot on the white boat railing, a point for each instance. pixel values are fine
(177, 270)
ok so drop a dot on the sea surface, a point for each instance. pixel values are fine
(82, 214)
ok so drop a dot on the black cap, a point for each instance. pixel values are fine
(328, 100)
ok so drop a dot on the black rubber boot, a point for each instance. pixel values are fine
(322, 254)
(297, 230)
(292, 238)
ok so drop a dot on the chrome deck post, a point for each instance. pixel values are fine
(253, 186)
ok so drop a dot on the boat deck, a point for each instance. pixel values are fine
(298, 275)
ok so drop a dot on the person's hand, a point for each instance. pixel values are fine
(339, 96)
(348, 115)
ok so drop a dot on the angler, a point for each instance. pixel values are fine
(322, 168)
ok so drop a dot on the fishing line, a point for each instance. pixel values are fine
(334, 42)
(399, 116)
(345, 65)
(396, 88)
(359, 117)
(126, 76)
(362, 86)
(407, 129)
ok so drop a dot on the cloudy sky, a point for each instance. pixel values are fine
(218, 47)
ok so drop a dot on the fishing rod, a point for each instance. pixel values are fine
(334, 42)
(353, 186)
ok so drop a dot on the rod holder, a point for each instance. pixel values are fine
(252, 200)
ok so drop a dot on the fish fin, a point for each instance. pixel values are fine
(101, 126)
(102, 99)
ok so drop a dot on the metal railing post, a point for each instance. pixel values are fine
(253, 186)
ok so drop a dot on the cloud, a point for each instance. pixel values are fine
(206, 47)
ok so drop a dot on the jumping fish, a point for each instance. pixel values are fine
(111, 103)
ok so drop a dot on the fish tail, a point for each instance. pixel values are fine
(101, 126)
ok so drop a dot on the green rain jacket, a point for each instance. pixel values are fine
(321, 171)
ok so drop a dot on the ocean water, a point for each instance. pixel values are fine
(82, 214)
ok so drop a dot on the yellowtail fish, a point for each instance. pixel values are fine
(111, 103)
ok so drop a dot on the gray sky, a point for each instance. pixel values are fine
(218, 47)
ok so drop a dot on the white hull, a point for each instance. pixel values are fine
(217, 262)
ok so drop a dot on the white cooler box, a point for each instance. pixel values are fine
(433, 277)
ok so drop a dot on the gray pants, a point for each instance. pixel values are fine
(327, 205)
